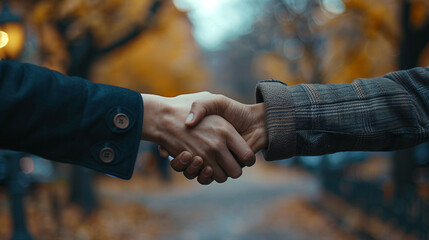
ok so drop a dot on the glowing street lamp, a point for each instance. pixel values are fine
(12, 34)
(4, 39)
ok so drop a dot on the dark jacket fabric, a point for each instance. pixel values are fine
(378, 114)
(68, 119)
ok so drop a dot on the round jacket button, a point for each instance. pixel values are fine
(107, 155)
(121, 121)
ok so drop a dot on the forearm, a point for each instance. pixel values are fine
(68, 119)
(377, 114)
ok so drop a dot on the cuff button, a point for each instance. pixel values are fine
(121, 121)
(107, 155)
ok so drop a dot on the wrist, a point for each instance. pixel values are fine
(260, 127)
(153, 108)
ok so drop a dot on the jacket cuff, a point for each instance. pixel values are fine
(110, 131)
(116, 151)
(280, 117)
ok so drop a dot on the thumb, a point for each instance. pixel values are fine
(202, 108)
(196, 114)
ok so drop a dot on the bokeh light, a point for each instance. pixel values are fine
(4, 39)
(334, 6)
(217, 22)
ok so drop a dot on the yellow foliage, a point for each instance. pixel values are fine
(362, 42)
(377, 16)
(108, 21)
(376, 24)
(419, 13)
(368, 58)
(164, 59)
(270, 65)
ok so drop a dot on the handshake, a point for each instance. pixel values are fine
(210, 136)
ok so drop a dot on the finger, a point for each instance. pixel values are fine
(204, 107)
(181, 162)
(228, 163)
(205, 177)
(162, 152)
(240, 149)
(195, 168)
(219, 174)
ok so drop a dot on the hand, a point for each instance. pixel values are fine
(194, 169)
(214, 139)
(248, 120)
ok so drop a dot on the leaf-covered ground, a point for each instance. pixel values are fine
(268, 202)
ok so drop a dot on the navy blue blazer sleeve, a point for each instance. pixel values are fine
(69, 119)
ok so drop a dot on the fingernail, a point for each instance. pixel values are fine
(206, 172)
(196, 164)
(184, 160)
(189, 118)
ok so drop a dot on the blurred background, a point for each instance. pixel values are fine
(170, 47)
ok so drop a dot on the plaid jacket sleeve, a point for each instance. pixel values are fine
(378, 114)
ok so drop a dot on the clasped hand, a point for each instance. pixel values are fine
(210, 136)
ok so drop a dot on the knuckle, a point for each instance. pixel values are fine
(215, 145)
(219, 143)
(223, 130)
(195, 104)
(222, 99)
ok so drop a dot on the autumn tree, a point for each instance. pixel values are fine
(144, 45)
